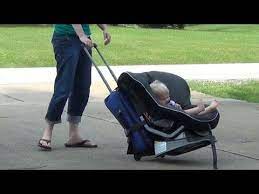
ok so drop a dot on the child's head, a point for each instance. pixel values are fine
(161, 92)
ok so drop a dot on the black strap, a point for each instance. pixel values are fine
(137, 126)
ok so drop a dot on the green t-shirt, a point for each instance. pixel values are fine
(67, 29)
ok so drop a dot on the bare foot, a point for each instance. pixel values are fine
(214, 104)
(45, 141)
(79, 142)
(74, 139)
(201, 106)
(44, 144)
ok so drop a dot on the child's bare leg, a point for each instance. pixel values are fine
(199, 108)
(214, 104)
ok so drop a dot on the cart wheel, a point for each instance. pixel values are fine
(137, 157)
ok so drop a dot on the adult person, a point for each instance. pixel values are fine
(73, 81)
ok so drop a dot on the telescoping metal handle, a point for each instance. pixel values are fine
(98, 70)
(112, 73)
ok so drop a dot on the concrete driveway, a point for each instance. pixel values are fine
(22, 111)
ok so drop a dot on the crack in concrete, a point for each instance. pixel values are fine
(248, 141)
(12, 97)
(29, 168)
(235, 153)
(106, 120)
(98, 118)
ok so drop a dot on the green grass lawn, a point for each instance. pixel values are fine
(242, 90)
(30, 46)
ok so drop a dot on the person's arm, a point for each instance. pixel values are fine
(106, 35)
(81, 34)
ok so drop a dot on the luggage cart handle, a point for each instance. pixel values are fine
(98, 70)
(112, 73)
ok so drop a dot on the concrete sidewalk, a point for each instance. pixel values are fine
(22, 111)
(189, 71)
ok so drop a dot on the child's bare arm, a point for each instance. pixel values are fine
(192, 111)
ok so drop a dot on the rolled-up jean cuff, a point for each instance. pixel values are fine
(73, 119)
(53, 122)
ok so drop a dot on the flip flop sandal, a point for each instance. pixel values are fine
(43, 146)
(83, 144)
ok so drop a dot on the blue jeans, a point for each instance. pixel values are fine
(72, 82)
